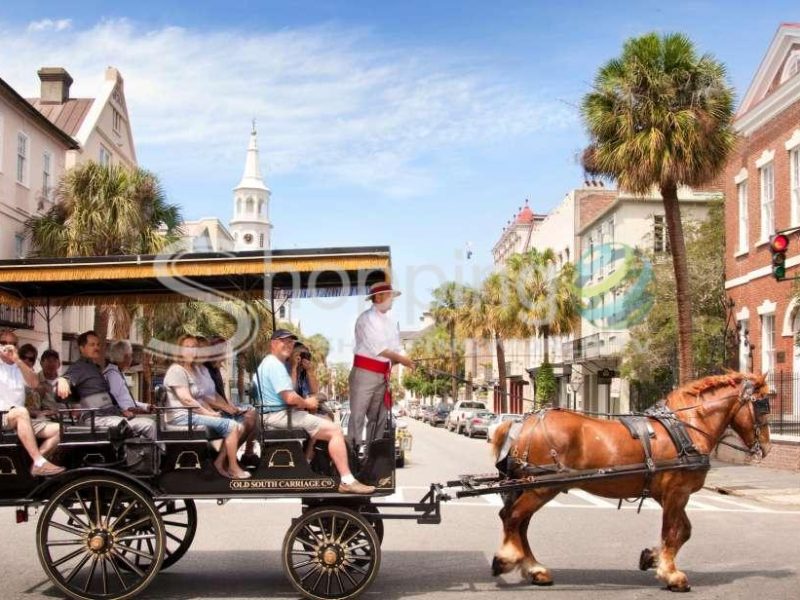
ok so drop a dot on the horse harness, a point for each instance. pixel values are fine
(509, 461)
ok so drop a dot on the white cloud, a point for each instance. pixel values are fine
(330, 102)
(50, 24)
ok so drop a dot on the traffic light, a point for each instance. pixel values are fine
(778, 245)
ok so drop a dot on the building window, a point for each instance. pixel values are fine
(744, 345)
(116, 121)
(744, 226)
(19, 245)
(22, 158)
(767, 201)
(260, 240)
(105, 156)
(660, 237)
(282, 312)
(250, 206)
(767, 343)
(794, 184)
(47, 178)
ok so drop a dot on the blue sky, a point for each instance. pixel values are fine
(419, 125)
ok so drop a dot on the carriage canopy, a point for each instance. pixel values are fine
(317, 272)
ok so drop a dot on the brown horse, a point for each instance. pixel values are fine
(575, 441)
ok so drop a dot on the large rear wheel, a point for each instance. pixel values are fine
(100, 538)
(180, 525)
(331, 554)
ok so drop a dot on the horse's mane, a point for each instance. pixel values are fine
(697, 388)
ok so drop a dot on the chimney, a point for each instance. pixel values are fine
(55, 85)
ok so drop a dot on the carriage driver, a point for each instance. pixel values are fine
(377, 348)
(14, 376)
(276, 392)
(85, 382)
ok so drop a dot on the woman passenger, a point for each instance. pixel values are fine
(182, 381)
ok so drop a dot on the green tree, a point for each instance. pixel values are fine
(104, 211)
(649, 356)
(433, 350)
(546, 298)
(661, 116)
(448, 309)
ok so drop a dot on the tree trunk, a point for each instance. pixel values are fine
(101, 317)
(453, 365)
(501, 373)
(672, 214)
(546, 343)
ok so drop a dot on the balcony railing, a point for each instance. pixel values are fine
(598, 345)
(16, 317)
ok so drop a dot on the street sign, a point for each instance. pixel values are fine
(604, 376)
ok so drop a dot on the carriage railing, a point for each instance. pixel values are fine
(190, 426)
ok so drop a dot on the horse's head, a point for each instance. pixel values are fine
(751, 417)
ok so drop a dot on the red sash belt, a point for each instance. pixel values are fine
(377, 366)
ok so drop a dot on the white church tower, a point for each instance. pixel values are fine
(250, 225)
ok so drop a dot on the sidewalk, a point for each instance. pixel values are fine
(772, 486)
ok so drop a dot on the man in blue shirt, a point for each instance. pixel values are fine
(277, 396)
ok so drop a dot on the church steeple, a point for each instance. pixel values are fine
(250, 224)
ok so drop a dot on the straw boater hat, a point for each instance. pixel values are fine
(377, 288)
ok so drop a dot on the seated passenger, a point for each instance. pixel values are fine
(84, 382)
(182, 381)
(14, 375)
(304, 377)
(28, 354)
(42, 403)
(120, 356)
(276, 391)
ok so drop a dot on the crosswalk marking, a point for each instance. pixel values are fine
(576, 499)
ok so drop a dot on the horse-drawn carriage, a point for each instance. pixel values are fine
(125, 507)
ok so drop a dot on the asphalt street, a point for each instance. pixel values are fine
(739, 548)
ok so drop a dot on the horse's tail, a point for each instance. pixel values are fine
(499, 438)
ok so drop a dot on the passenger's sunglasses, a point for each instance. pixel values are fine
(8, 343)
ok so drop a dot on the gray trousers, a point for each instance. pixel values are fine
(366, 403)
(144, 426)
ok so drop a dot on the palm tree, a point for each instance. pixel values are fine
(546, 297)
(447, 309)
(105, 210)
(489, 315)
(661, 116)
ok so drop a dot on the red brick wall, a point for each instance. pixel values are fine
(771, 136)
(782, 455)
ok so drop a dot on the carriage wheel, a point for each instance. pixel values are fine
(373, 515)
(331, 553)
(180, 524)
(86, 535)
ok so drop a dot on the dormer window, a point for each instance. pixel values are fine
(792, 66)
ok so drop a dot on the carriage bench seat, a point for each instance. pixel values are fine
(8, 438)
(167, 431)
(275, 434)
(83, 433)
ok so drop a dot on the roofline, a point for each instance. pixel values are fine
(43, 121)
(196, 256)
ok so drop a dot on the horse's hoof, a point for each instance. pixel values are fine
(541, 583)
(647, 559)
(679, 588)
(497, 567)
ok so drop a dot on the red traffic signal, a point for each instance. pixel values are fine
(779, 243)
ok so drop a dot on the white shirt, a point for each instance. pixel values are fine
(12, 386)
(376, 332)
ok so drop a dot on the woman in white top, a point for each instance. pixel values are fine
(184, 390)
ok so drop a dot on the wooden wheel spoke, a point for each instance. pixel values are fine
(126, 562)
(313, 535)
(69, 557)
(310, 573)
(328, 585)
(124, 513)
(318, 579)
(73, 517)
(104, 572)
(114, 566)
(77, 567)
(97, 507)
(135, 551)
(339, 580)
(67, 528)
(364, 544)
(355, 568)
(139, 536)
(172, 536)
(95, 560)
(176, 524)
(132, 525)
(303, 552)
(305, 563)
(346, 574)
(66, 543)
(84, 508)
(111, 506)
(351, 538)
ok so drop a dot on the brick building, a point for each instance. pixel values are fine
(762, 195)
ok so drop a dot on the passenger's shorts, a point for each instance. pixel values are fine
(39, 425)
(218, 426)
(301, 419)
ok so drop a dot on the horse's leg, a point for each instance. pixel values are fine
(515, 550)
(675, 531)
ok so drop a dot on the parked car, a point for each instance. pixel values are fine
(402, 438)
(425, 413)
(438, 415)
(463, 409)
(479, 423)
(502, 417)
